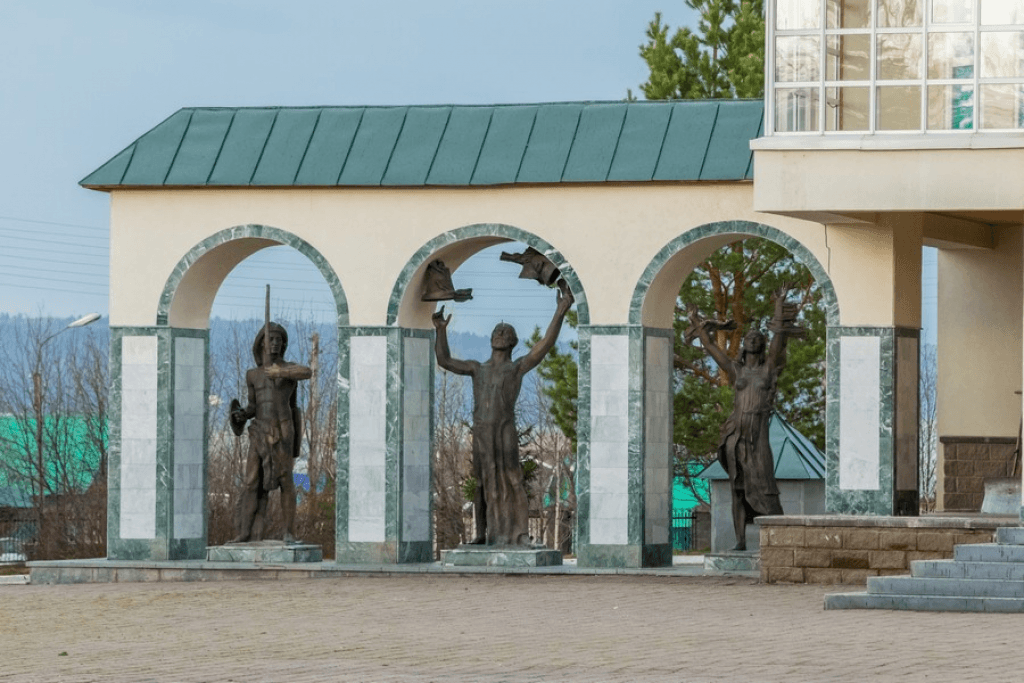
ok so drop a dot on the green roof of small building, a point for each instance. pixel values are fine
(460, 145)
(795, 456)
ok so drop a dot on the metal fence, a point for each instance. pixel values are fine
(17, 532)
(683, 532)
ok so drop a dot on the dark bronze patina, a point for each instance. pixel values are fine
(275, 434)
(437, 284)
(499, 507)
(744, 450)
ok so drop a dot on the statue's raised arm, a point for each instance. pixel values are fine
(782, 326)
(441, 350)
(564, 301)
(702, 329)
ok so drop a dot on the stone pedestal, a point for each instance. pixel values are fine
(273, 552)
(484, 556)
(1002, 496)
(732, 562)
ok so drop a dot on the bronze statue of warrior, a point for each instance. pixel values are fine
(744, 449)
(275, 433)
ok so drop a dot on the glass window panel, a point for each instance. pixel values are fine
(996, 12)
(899, 56)
(796, 110)
(1002, 54)
(950, 55)
(1002, 106)
(848, 13)
(951, 107)
(847, 109)
(849, 58)
(797, 58)
(899, 107)
(898, 13)
(797, 14)
(952, 11)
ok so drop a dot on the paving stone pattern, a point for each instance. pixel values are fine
(507, 628)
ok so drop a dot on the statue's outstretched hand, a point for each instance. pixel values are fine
(439, 320)
(564, 298)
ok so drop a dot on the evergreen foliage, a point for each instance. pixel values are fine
(723, 58)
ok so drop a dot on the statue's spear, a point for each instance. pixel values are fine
(266, 331)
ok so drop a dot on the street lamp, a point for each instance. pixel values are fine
(37, 407)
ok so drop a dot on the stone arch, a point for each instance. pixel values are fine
(661, 279)
(454, 247)
(188, 294)
(651, 315)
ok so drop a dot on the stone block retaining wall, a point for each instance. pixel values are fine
(967, 461)
(834, 549)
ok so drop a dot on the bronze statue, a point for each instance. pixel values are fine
(744, 450)
(499, 506)
(275, 433)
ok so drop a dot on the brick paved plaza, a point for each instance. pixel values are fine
(485, 628)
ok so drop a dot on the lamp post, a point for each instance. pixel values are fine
(37, 408)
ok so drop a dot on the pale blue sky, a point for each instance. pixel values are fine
(81, 80)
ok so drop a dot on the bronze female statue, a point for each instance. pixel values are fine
(744, 449)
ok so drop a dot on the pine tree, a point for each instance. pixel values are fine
(723, 58)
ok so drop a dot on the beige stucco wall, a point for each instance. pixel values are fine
(852, 180)
(608, 233)
(981, 300)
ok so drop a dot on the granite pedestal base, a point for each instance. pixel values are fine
(275, 552)
(733, 562)
(484, 556)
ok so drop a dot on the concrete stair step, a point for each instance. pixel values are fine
(1010, 535)
(952, 569)
(911, 585)
(989, 552)
(923, 603)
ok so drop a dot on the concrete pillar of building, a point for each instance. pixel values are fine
(156, 490)
(980, 328)
(873, 404)
(383, 469)
(624, 458)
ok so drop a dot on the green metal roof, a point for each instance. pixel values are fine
(795, 456)
(467, 145)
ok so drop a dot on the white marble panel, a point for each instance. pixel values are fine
(604, 455)
(138, 350)
(189, 408)
(139, 525)
(138, 437)
(610, 353)
(859, 408)
(608, 480)
(366, 530)
(416, 516)
(139, 452)
(188, 525)
(609, 429)
(366, 479)
(609, 531)
(366, 504)
(139, 502)
(367, 454)
(416, 478)
(610, 506)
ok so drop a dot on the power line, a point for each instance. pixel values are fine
(33, 269)
(51, 289)
(103, 265)
(21, 233)
(69, 225)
